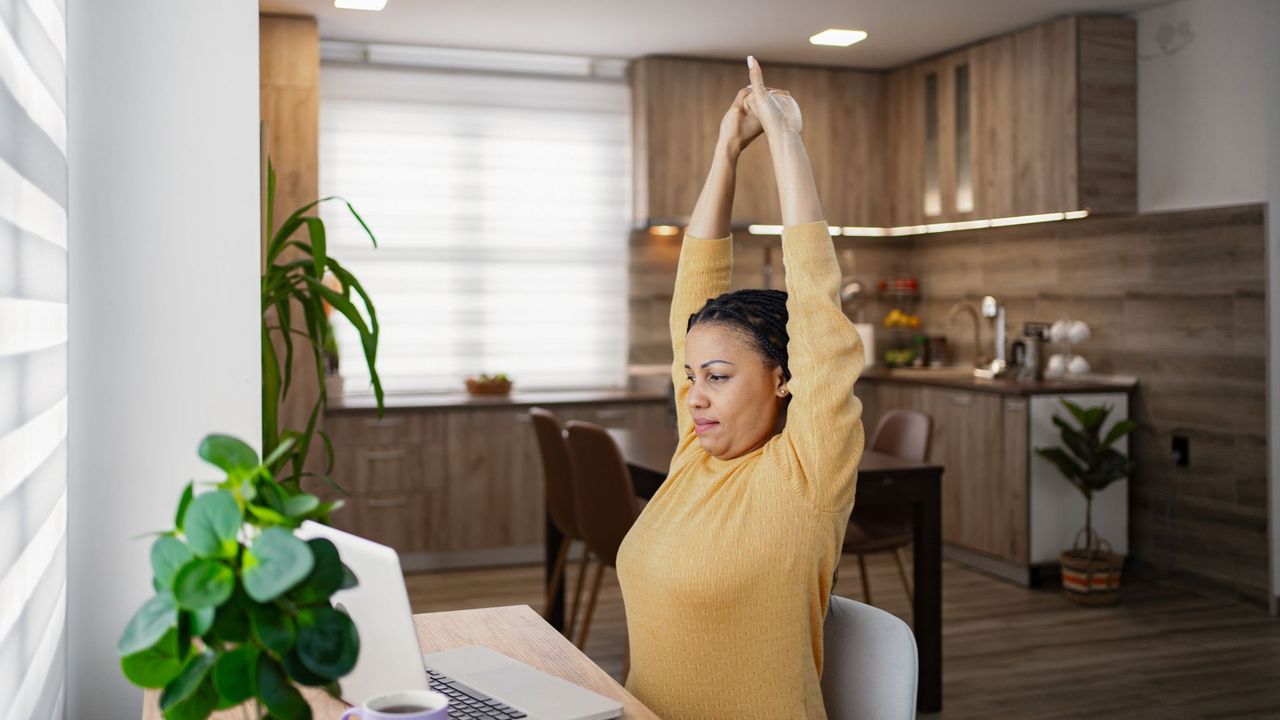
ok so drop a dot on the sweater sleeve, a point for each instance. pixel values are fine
(704, 272)
(824, 419)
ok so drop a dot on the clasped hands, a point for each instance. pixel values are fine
(759, 109)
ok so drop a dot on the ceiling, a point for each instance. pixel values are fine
(900, 30)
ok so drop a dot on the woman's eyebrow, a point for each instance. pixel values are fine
(709, 362)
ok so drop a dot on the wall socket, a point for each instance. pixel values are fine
(1181, 451)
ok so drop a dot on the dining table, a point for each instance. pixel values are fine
(884, 481)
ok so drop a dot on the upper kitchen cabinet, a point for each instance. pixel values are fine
(677, 107)
(1043, 120)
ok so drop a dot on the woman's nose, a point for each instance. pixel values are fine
(697, 398)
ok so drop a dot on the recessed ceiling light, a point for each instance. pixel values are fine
(838, 38)
(359, 4)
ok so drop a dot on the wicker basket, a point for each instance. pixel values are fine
(1091, 574)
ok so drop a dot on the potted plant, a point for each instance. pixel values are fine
(1089, 460)
(242, 609)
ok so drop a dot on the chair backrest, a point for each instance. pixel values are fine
(602, 489)
(870, 666)
(554, 450)
(904, 433)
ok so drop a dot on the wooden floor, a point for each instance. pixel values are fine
(1008, 652)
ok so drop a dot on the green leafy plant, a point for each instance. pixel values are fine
(1088, 459)
(242, 607)
(297, 280)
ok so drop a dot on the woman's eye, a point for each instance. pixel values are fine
(718, 378)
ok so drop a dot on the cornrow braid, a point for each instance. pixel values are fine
(762, 314)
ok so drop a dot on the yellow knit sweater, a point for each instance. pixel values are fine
(726, 574)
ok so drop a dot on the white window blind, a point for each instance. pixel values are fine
(501, 207)
(33, 358)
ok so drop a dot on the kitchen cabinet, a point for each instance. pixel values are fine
(454, 486)
(677, 104)
(1039, 121)
(1004, 509)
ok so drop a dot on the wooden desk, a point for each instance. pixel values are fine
(883, 481)
(516, 631)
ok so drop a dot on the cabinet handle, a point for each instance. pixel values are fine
(386, 503)
(387, 422)
(961, 399)
(380, 455)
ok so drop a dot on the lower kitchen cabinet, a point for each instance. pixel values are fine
(454, 486)
(1004, 508)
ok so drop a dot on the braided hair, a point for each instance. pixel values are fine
(760, 315)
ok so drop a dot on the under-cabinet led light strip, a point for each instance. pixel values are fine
(868, 231)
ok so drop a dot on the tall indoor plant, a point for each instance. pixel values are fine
(294, 289)
(1090, 462)
(242, 609)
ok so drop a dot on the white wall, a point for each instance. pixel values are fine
(163, 116)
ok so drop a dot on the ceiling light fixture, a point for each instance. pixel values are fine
(838, 38)
(373, 5)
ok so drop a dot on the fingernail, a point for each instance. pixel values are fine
(751, 61)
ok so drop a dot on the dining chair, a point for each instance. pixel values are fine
(556, 470)
(870, 666)
(905, 434)
(605, 500)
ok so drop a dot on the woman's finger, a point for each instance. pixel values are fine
(757, 77)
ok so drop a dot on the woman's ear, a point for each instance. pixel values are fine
(780, 381)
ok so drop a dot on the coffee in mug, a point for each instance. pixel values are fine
(402, 705)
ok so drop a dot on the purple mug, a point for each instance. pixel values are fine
(401, 705)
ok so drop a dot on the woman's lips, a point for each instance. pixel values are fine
(701, 427)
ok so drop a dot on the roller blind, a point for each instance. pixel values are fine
(501, 206)
(33, 357)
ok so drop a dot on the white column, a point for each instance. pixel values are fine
(163, 119)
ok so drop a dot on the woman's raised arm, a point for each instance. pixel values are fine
(706, 256)
(825, 355)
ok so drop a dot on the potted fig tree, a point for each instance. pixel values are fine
(1089, 461)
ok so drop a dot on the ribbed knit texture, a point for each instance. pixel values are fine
(727, 573)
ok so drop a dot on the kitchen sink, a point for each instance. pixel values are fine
(950, 371)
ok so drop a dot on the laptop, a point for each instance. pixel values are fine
(479, 682)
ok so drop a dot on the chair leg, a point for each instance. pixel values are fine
(901, 556)
(577, 594)
(591, 606)
(866, 580)
(557, 574)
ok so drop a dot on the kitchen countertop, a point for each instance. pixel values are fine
(1002, 386)
(365, 403)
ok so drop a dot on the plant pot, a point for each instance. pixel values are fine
(1091, 577)
(490, 388)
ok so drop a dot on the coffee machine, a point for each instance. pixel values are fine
(1027, 352)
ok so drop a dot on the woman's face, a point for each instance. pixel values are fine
(734, 397)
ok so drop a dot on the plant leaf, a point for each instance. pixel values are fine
(203, 584)
(1119, 430)
(184, 686)
(1066, 464)
(280, 451)
(228, 453)
(1073, 440)
(155, 666)
(278, 694)
(298, 671)
(325, 578)
(277, 561)
(272, 627)
(233, 675)
(231, 620)
(187, 494)
(202, 620)
(300, 505)
(149, 625)
(212, 523)
(168, 555)
(327, 642)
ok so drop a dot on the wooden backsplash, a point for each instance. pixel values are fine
(1176, 299)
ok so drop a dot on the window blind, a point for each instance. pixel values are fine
(33, 357)
(501, 207)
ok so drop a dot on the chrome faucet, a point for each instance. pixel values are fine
(994, 310)
(963, 307)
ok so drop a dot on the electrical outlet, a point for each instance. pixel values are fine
(1181, 451)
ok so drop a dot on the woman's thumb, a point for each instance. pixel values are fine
(757, 77)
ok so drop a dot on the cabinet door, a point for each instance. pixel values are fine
(495, 496)
(1045, 118)
(905, 131)
(995, 166)
(1011, 526)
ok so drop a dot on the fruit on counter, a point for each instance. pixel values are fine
(487, 378)
(898, 319)
(899, 358)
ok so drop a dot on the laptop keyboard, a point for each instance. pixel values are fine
(465, 704)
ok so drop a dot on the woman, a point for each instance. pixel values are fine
(726, 574)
